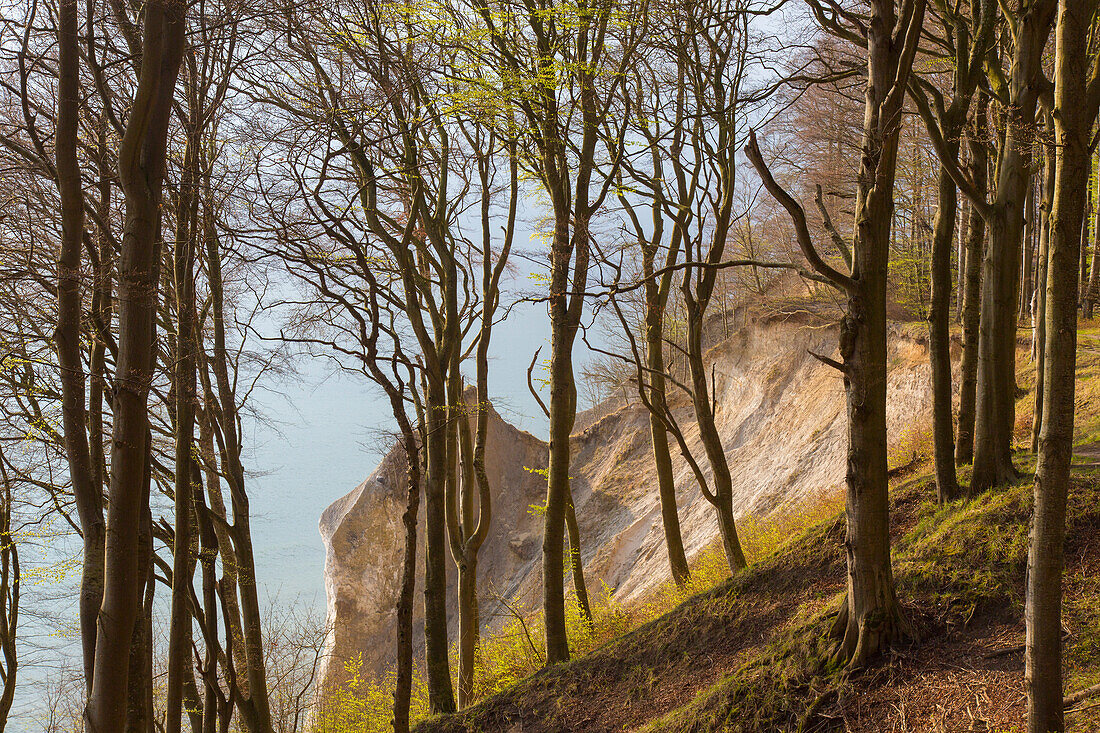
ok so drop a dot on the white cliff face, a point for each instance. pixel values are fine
(781, 414)
(364, 544)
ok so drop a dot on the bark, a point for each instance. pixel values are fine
(139, 710)
(460, 520)
(208, 553)
(1039, 333)
(9, 598)
(1086, 218)
(968, 369)
(1092, 291)
(141, 170)
(996, 388)
(405, 599)
(179, 640)
(1028, 285)
(1074, 113)
(996, 369)
(939, 330)
(440, 693)
(656, 302)
(87, 492)
(564, 320)
(964, 235)
(870, 618)
(722, 497)
(576, 563)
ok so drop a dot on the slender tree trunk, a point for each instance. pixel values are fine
(964, 235)
(1039, 332)
(1028, 264)
(1093, 289)
(469, 625)
(461, 523)
(440, 691)
(1086, 220)
(563, 413)
(939, 329)
(1073, 118)
(405, 599)
(722, 498)
(975, 254)
(254, 705)
(662, 456)
(576, 563)
(139, 710)
(141, 168)
(179, 641)
(86, 491)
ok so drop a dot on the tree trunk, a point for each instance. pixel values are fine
(1028, 264)
(871, 619)
(1039, 331)
(1092, 291)
(1073, 118)
(403, 691)
(141, 169)
(662, 456)
(86, 491)
(469, 626)
(440, 691)
(975, 245)
(179, 641)
(939, 329)
(563, 413)
(576, 563)
(964, 235)
(245, 619)
(996, 388)
(1086, 219)
(722, 497)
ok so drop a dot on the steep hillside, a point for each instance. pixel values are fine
(780, 412)
(751, 655)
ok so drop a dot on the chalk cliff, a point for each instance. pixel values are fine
(781, 415)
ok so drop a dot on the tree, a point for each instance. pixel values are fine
(1076, 102)
(968, 42)
(9, 596)
(141, 163)
(977, 167)
(562, 68)
(1018, 93)
(467, 534)
(870, 618)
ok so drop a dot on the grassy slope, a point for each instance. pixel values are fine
(750, 654)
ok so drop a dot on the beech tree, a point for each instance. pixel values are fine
(967, 41)
(562, 67)
(141, 165)
(1076, 103)
(870, 618)
(1017, 91)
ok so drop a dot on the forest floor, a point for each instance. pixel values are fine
(751, 654)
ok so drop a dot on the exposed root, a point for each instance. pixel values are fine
(858, 643)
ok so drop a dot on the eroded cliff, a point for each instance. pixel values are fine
(781, 415)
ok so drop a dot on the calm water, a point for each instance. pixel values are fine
(326, 437)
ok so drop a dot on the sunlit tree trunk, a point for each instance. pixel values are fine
(1075, 109)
